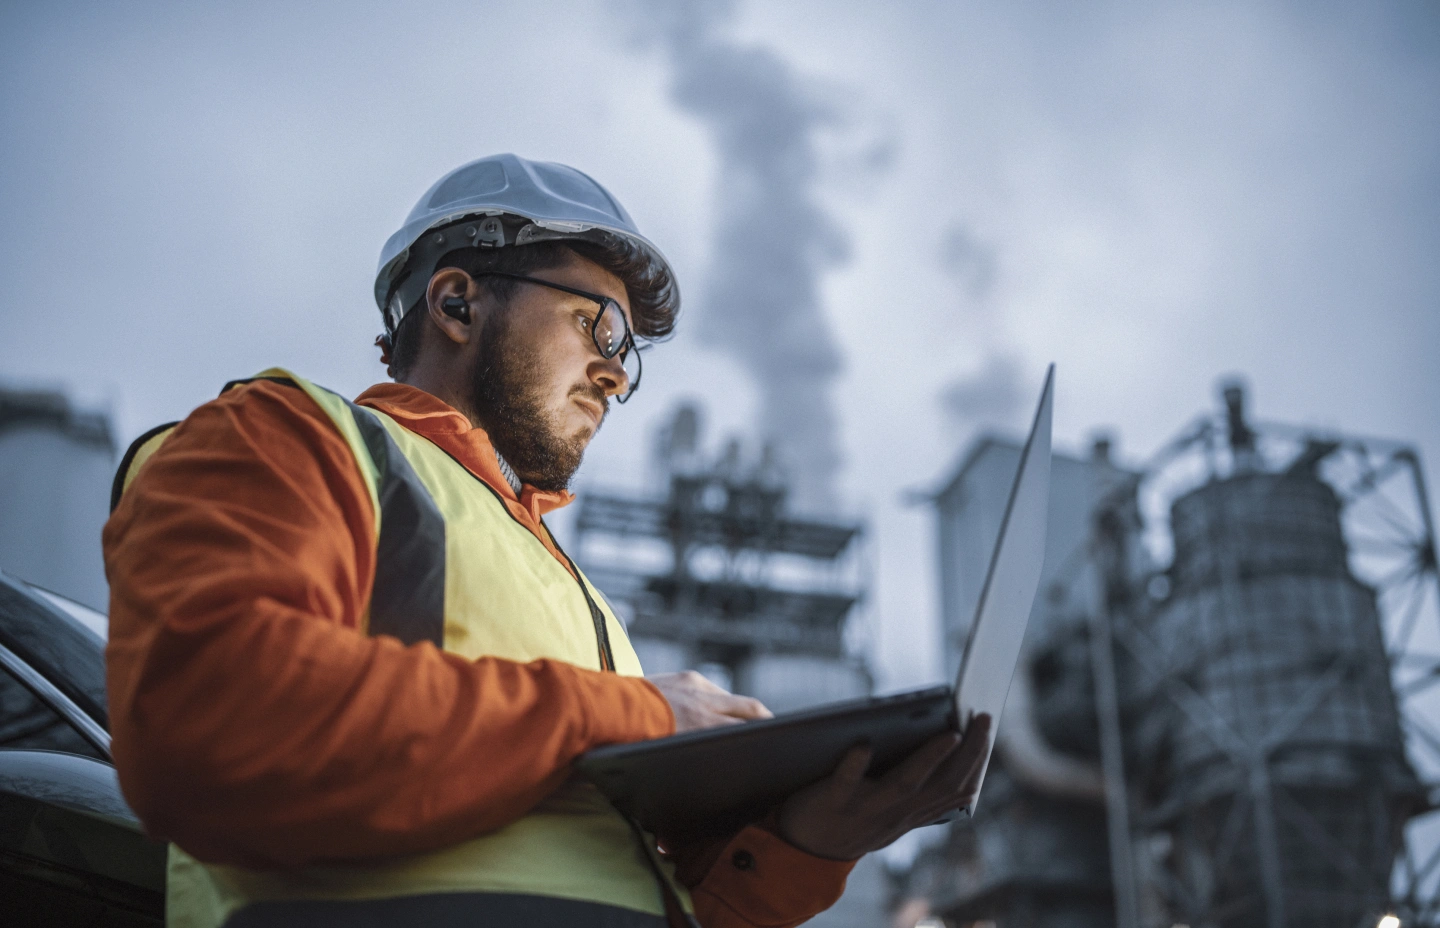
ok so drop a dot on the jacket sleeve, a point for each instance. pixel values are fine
(253, 723)
(756, 879)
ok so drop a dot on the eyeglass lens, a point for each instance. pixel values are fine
(631, 363)
(610, 329)
(612, 337)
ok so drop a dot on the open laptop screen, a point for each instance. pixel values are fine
(997, 633)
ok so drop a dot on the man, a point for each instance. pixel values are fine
(349, 667)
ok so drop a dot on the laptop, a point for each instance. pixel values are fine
(712, 782)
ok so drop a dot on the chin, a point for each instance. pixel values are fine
(585, 427)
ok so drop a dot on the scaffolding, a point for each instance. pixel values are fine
(719, 567)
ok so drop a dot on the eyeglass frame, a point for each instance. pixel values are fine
(605, 303)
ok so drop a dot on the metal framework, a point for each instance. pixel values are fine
(1259, 821)
(719, 566)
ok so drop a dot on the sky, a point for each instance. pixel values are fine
(886, 219)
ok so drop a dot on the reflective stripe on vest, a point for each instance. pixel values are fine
(407, 599)
(499, 592)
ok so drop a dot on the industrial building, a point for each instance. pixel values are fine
(56, 466)
(1222, 719)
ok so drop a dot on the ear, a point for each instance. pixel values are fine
(446, 284)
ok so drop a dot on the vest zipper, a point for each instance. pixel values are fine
(602, 634)
(675, 914)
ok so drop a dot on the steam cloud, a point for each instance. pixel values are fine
(993, 395)
(772, 240)
(969, 260)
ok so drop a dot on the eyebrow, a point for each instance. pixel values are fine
(596, 298)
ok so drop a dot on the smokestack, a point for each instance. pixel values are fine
(1101, 447)
(1242, 439)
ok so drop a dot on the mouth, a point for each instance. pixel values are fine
(592, 409)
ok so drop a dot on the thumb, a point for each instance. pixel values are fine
(851, 769)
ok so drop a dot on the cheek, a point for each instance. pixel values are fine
(556, 355)
(557, 367)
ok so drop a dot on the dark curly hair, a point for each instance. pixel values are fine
(654, 297)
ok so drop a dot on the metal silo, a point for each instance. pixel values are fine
(1242, 640)
(1287, 781)
(1264, 717)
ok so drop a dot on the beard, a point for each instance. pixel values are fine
(509, 402)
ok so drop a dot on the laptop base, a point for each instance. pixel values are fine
(713, 782)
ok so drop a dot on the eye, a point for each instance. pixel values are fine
(586, 322)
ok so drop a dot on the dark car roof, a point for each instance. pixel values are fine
(71, 852)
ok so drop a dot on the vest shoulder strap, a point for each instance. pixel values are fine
(346, 417)
(135, 457)
(148, 443)
(407, 600)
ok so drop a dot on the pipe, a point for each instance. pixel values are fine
(1031, 759)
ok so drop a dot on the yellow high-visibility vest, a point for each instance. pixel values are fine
(454, 566)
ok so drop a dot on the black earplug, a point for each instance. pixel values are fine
(456, 308)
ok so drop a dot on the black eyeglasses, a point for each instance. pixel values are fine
(609, 330)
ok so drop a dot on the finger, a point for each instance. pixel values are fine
(934, 801)
(851, 769)
(959, 775)
(979, 726)
(962, 769)
(696, 717)
(740, 707)
(916, 769)
(925, 811)
(928, 812)
(696, 680)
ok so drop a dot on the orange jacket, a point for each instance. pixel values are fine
(254, 725)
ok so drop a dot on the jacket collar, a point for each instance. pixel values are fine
(429, 417)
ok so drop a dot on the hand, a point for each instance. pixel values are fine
(848, 815)
(698, 703)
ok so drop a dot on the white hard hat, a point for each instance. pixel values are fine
(491, 203)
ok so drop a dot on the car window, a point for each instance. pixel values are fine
(57, 646)
(96, 621)
(26, 722)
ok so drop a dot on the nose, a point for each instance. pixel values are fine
(609, 375)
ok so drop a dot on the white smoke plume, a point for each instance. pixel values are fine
(994, 395)
(970, 260)
(772, 240)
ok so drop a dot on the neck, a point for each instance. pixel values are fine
(440, 386)
(444, 385)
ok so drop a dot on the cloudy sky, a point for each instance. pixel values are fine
(886, 218)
